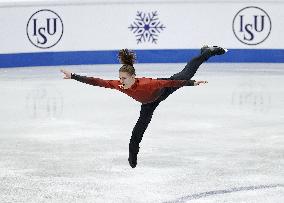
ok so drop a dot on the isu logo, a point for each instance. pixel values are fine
(44, 29)
(251, 25)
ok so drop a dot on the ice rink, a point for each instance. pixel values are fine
(65, 141)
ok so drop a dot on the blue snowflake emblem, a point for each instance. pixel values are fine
(146, 27)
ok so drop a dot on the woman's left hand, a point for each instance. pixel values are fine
(200, 82)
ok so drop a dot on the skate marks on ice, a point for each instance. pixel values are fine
(222, 192)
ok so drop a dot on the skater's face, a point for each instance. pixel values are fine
(126, 79)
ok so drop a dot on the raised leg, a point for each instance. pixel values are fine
(191, 67)
(186, 74)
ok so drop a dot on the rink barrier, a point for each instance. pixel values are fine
(144, 56)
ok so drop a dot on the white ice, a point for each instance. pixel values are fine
(65, 141)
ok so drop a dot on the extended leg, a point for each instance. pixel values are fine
(145, 117)
(191, 67)
(186, 74)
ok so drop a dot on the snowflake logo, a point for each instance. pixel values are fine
(146, 27)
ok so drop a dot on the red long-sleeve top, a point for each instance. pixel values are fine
(144, 90)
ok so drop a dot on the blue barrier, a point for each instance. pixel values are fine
(143, 56)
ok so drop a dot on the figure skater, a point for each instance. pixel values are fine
(150, 92)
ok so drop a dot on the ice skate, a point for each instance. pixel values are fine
(213, 50)
(132, 159)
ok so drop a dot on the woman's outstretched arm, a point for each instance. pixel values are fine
(113, 84)
(176, 83)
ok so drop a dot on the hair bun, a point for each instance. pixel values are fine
(127, 57)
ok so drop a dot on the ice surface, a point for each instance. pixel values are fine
(65, 141)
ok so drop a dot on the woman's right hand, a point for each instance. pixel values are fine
(67, 74)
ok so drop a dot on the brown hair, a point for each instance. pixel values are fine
(127, 58)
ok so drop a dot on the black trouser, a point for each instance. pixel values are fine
(147, 110)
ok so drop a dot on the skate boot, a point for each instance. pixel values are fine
(212, 50)
(132, 159)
